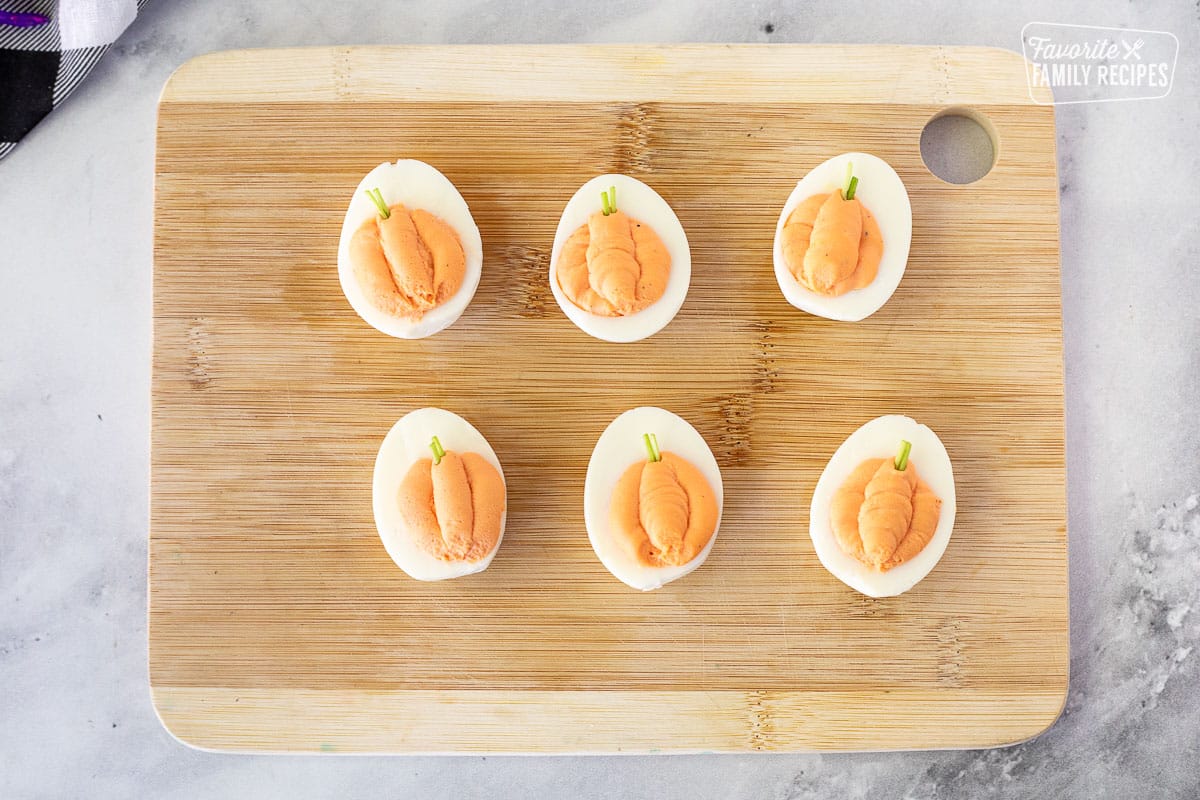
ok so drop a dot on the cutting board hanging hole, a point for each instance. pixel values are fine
(959, 145)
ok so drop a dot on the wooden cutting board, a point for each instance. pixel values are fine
(277, 620)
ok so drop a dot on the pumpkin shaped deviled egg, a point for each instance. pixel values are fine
(621, 266)
(439, 496)
(652, 498)
(841, 243)
(877, 524)
(410, 254)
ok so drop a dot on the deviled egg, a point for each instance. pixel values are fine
(652, 498)
(841, 243)
(410, 255)
(439, 496)
(877, 523)
(620, 267)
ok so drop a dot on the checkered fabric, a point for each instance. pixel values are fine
(40, 66)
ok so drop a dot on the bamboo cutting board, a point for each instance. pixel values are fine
(277, 620)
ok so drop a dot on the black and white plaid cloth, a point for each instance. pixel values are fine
(40, 65)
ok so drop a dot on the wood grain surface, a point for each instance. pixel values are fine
(277, 620)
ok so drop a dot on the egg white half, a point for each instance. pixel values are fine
(880, 438)
(882, 192)
(416, 185)
(407, 442)
(645, 205)
(619, 447)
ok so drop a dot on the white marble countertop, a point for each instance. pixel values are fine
(75, 275)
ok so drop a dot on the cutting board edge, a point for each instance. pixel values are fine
(230, 719)
(933, 74)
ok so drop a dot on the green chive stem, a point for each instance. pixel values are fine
(612, 198)
(851, 188)
(851, 182)
(651, 442)
(438, 451)
(901, 462)
(377, 198)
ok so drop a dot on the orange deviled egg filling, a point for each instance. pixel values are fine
(407, 261)
(663, 509)
(614, 265)
(883, 514)
(832, 243)
(454, 505)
